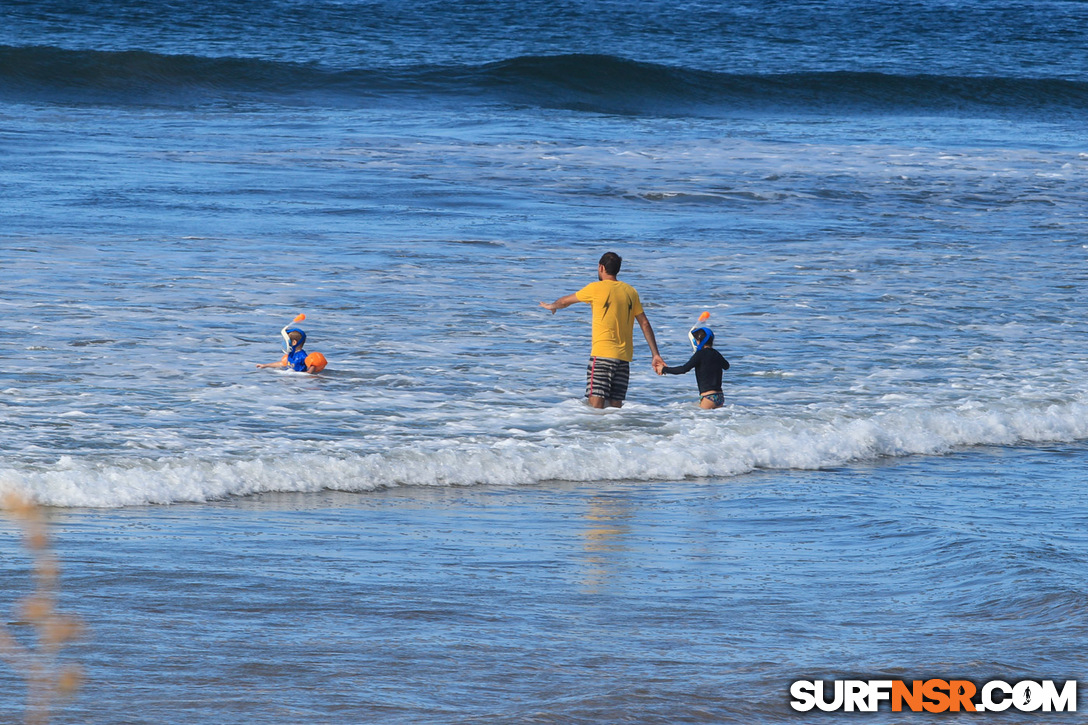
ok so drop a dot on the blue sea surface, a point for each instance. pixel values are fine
(649, 602)
(881, 205)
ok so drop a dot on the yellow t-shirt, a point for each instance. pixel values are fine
(615, 306)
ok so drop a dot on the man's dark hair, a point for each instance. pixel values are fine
(611, 262)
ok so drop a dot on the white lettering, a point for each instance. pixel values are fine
(804, 697)
(1065, 701)
(996, 705)
(857, 695)
(994, 696)
(821, 701)
(879, 690)
(1027, 696)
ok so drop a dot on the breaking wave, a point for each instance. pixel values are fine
(704, 446)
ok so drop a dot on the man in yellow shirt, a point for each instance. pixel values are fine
(616, 307)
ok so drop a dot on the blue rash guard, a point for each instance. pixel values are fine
(297, 361)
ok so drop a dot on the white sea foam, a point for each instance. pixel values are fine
(715, 445)
(870, 298)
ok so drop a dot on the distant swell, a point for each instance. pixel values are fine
(597, 83)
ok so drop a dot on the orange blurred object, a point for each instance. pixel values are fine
(316, 360)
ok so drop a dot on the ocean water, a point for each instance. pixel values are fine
(645, 602)
(882, 206)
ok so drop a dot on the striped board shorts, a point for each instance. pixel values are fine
(607, 377)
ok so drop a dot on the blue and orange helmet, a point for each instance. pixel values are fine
(289, 344)
(700, 336)
(292, 345)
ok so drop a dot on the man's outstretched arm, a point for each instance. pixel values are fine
(562, 303)
(648, 333)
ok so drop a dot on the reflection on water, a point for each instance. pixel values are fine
(605, 538)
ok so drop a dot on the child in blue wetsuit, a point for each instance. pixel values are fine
(296, 358)
(709, 365)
